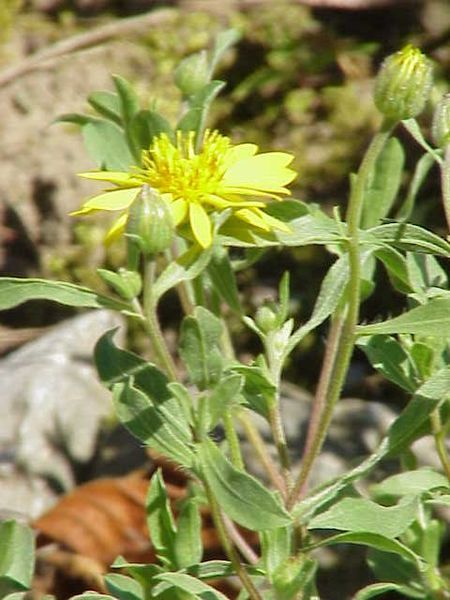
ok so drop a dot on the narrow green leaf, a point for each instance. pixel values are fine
(425, 272)
(223, 41)
(107, 146)
(258, 390)
(92, 596)
(188, 540)
(123, 587)
(129, 100)
(161, 427)
(431, 319)
(385, 184)
(187, 584)
(402, 571)
(374, 540)
(146, 125)
(395, 265)
(216, 569)
(414, 129)
(388, 356)
(15, 291)
(160, 521)
(330, 294)
(362, 515)
(406, 237)
(107, 104)
(75, 119)
(376, 589)
(199, 347)
(185, 268)
(199, 104)
(405, 429)
(224, 279)
(16, 557)
(413, 482)
(421, 170)
(276, 546)
(241, 496)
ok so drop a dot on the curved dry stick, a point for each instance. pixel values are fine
(84, 40)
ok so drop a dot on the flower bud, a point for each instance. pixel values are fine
(150, 223)
(403, 84)
(127, 284)
(440, 128)
(266, 319)
(192, 74)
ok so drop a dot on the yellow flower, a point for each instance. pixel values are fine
(195, 184)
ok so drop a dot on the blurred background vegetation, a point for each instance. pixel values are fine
(300, 79)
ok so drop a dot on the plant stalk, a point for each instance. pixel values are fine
(152, 324)
(346, 339)
(227, 545)
(445, 183)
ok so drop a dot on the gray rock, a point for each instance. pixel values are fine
(52, 406)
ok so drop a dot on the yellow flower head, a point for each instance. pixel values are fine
(195, 184)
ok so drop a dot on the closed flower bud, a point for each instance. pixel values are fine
(440, 129)
(150, 223)
(403, 84)
(192, 74)
(266, 319)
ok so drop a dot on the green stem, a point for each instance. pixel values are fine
(439, 439)
(346, 339)
(228, 546)
(233, 440)
(255, 439)
(151, 322)
(445, 183)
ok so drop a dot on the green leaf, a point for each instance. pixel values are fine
(224, 279)
(107, 104)
(107, 146)
(421, 170)
(362, 515)
(388, 356)
(186, 267)
(330, 294)
(188, 540)
(374, 540)
(405, 429)
(16, 557)
(199, 347)
(414, 129)
(216, 569)
(242, 497)
(385, 184)
(416, 482)
(161, 427)
(199, 105)
(15, 291)
(402, 571)
(430, 319)
(187, 584)
(314, 228)
(276, 546)
(146, 125)
(222, 397)
(129, 100)
(160, 521)
(395, 265)
(406, 237)
(76, 119)
(258, 389)
(123, 587)
(223, 41)
(92, 596)
(376, 589)
(425, 272)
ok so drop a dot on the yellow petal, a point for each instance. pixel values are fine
(200, 224)
(119, 178)
(112, 200)
(116, 230)
(252, 217)
(240, 152)
(273, 222)
(179, 210)
(266, 172)
(231, 201)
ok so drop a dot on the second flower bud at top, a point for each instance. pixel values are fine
(403, 84)
(150, 222)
